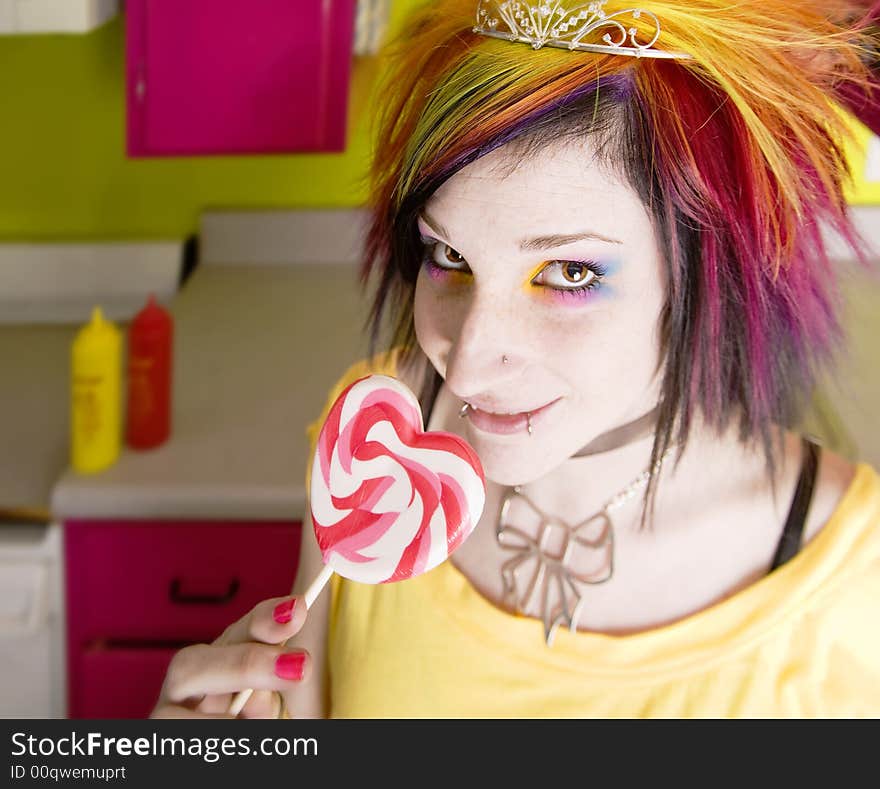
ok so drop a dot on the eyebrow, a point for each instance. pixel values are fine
(538, 243)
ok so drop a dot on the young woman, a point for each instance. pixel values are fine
(598, 236)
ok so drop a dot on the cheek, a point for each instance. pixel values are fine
(429, 316)
(613, 348)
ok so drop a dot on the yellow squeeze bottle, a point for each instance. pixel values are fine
(95, 422)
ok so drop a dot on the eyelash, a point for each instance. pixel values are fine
(429, 245)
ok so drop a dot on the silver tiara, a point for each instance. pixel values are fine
(550, 24)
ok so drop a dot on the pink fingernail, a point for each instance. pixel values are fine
(290, 665)
(283, 612)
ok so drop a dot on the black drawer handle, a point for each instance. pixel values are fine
(202, 599)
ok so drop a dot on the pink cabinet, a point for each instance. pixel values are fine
(237, 76)
(137, 592)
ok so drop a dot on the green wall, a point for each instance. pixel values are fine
(63, 169)
(64, 173)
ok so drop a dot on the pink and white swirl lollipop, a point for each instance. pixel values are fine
(389, 501)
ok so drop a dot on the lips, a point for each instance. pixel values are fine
(506, 424)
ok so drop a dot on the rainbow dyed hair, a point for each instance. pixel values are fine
(736, 153)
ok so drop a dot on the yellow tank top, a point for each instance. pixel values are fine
(801, 642)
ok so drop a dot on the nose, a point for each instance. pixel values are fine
(485, 344)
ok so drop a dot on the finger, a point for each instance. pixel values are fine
(272, 621)
(203, 670)
(166, 711)
(262, 704)
(215, 704)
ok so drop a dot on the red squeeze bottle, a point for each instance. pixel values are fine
(148, 415)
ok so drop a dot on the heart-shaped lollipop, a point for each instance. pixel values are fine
(389, 501)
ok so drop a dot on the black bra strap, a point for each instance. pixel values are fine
(793, 531)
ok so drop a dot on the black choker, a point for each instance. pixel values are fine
(620, 436)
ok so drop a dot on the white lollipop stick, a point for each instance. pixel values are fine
(310, 595)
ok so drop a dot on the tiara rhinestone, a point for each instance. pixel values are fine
(566, 25)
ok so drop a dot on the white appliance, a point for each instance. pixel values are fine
(55, 16)
(31, 622)
(370, 24)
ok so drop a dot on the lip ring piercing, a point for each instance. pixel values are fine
(466, 407)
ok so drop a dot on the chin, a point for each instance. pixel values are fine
(517, 460)
(504, 471)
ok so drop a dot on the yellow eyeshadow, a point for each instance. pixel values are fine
(527, 286)
(449, 276)
(458, 277)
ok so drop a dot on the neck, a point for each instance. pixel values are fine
(599, 470)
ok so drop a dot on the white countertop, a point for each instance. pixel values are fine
(257, 349)
(34, 415)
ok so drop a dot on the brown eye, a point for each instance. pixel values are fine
(451, 255)
(570, 275)
(574, 272)
(445, 257)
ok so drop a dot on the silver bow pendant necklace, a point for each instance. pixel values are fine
(555, 562)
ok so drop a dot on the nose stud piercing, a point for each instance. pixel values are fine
(505, 360)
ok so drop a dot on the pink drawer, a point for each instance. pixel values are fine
(174, 582)
(119, 683)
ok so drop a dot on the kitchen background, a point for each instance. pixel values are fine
(210, 152)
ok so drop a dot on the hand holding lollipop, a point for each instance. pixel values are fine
(389, 501)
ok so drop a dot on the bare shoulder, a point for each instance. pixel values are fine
(834, 477)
